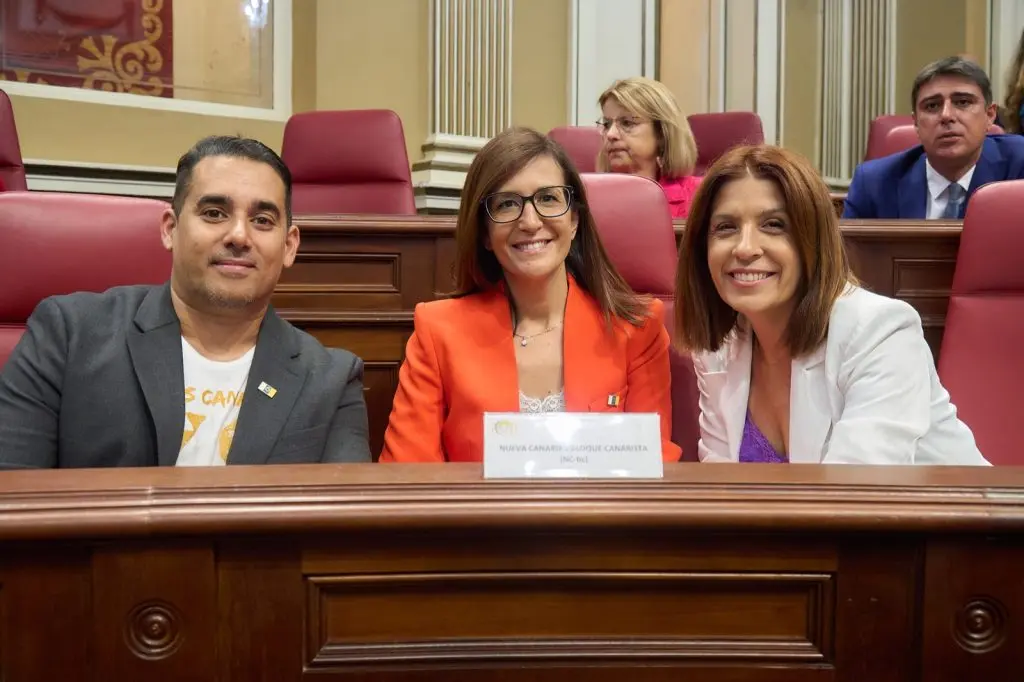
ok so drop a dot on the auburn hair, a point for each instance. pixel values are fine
(703, 319)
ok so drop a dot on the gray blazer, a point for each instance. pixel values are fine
(97, 381)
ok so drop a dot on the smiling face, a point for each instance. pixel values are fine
(532, 246)
(952, 120)
(753, 261)
(630, 141)
(232, 237)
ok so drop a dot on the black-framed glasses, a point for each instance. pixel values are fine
(549, 202)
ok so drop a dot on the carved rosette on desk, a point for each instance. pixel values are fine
(153, 630)
(980, 627)
(104, 45)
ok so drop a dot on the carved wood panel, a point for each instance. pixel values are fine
(154, 615)
(970, 630)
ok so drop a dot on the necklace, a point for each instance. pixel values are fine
(524, 339)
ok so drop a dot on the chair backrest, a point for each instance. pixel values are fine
(582, 144)
(348, 162)
(717, 133)
(52, 244)
(981, 363)
(633, 219)
(898, 137)
(879, 129)
(12, 169)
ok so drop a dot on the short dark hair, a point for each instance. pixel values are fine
(703, 319)
(234, 146)
(952, 66)
(478, 269)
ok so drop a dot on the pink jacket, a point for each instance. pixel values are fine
(679, 192)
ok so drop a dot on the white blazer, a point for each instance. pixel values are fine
(868, 395)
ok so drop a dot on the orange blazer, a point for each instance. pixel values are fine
(460, 362)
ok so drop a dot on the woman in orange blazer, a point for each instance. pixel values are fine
(541, 321)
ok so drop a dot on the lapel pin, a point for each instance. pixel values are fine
(613, 400)
(267, 389)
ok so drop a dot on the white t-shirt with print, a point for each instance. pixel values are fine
(213, 395)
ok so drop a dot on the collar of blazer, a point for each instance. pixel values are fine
(154, 343)
(810, 415)
(593, 355)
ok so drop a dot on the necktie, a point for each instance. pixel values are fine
(955, 202)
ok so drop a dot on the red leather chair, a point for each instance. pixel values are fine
(879, 129)
(582, 143)
(896, 134)
(12, 170)
(632, 216)
(981, 363)
(348, 162)
(54, 244)
(717, 133)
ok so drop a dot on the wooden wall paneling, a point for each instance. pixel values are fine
(972, 623)
(260, 597)
(45, 609)
(154, 612)
(876, 619)
(381, 574)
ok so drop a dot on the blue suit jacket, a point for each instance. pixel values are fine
(896, 186)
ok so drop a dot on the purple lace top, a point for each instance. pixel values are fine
(756, 448)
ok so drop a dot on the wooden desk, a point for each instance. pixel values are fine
(357, 279)
(374, 573)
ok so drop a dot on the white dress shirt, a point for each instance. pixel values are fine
(938, 186)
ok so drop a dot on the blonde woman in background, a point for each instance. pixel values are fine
(645, 133)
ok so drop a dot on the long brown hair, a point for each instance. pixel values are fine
(477, 268)
(703, 319)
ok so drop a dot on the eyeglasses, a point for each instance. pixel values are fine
(549, 202)
(625, 124)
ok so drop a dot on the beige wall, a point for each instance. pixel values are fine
(920, 42)
(684, 52)
(801, 93)
(376, 55)
(540, 63)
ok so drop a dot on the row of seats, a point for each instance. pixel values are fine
(58, 243)
(714, 133)
(356, 161)
(892, 134)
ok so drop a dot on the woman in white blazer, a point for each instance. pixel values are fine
(794, 361)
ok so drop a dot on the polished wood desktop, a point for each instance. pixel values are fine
(426, 572)
(357, 279)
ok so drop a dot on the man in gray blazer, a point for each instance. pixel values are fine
(200, 371)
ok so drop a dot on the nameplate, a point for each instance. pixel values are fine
(572, 445)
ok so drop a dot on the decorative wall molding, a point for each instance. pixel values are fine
(97, 178)
(858, 80)
(470, 94)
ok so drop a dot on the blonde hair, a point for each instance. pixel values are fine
(651, 99)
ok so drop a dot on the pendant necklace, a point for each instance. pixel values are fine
(524, 339)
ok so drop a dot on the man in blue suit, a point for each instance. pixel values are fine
(953, 109)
